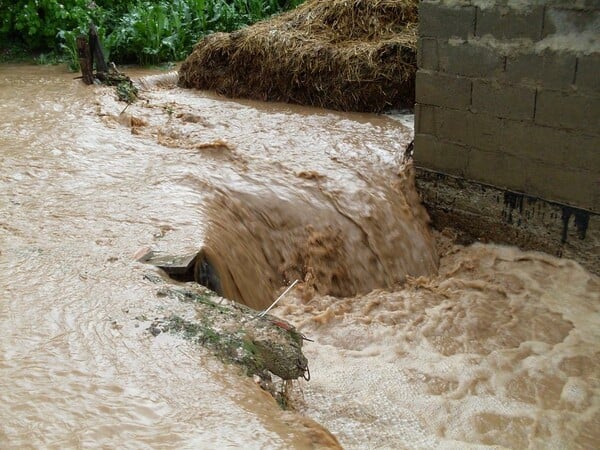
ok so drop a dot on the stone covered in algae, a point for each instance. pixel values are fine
(237, 334)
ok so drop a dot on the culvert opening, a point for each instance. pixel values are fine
(193, 267)
(205, 273)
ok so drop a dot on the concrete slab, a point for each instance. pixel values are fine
(173, 265)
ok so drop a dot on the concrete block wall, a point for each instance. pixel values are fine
(508, 95)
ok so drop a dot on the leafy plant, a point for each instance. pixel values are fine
(36, 22)
(141, 31)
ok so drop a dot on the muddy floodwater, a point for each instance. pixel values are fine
(418, 343)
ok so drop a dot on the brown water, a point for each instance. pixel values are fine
(339, 238)
(500, 349)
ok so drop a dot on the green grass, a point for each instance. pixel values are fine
(146, 32)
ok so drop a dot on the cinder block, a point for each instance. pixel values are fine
(501, 100)
(583, 152)
(479, 131)
(561, 184)
(426, 153)
(427, 53)
(425, 119)
(444, 22)
(509, 23)
(568, 110)
(534, 142)
(553, 70)
(588, 73)
(441, 156)
(433, 88)
(570, 21)
(469, 60)
(575, 4)
(498, 169)
(453, 125)
(551, 145)
(486, 131)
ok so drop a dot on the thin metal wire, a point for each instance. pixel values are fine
(278, 298)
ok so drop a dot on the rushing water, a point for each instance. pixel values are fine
(500, 348)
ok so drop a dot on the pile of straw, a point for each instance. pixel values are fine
(350, 55)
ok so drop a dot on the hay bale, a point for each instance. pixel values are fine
(350, 55)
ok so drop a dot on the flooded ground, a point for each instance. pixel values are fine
(499, 349)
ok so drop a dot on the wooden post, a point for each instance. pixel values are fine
(85, 60)
(96, 50)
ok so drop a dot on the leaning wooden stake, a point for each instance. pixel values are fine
(89, 50)
(85, 60)
(96, 50)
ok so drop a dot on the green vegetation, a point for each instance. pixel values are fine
(127, 92)
(236, 334)
(236, 348)
(142, 32)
